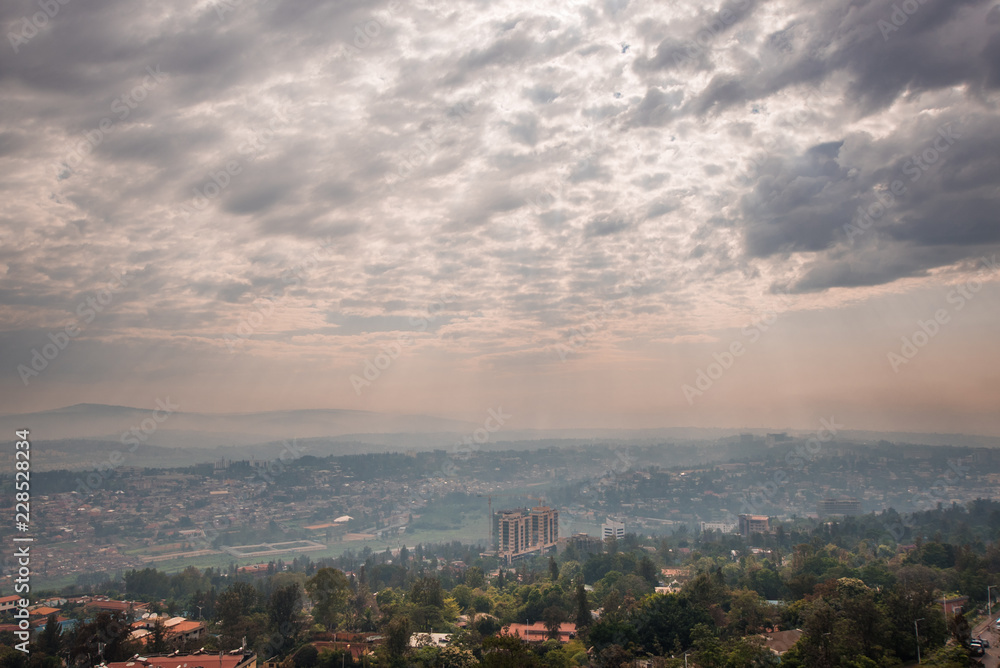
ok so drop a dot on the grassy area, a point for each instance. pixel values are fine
(471, 529)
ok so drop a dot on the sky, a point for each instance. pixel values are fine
(586, 214)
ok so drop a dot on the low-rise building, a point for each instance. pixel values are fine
(235, 659)
(430, 639)
(538, 632)
(613, 529)
(953, 604)
(780, 642)
(836, 507)
(751, 524)
(8, 603)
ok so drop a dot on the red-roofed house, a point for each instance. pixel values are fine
(184, 631)
(205, 660)
(132, 607)
(953, 604)
(43, 611)
(537, 632)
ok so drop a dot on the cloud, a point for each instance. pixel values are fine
(678, 163)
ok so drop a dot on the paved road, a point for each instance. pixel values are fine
(992, 658)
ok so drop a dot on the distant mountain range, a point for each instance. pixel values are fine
(172, 427)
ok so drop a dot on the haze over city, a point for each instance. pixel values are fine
(581, 334)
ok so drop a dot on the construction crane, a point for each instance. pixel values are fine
(489, 505)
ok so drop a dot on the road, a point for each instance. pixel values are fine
(992, 658)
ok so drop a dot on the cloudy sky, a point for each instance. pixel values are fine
(602, 213)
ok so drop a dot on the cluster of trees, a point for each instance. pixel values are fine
(850, 586)
(105, 636)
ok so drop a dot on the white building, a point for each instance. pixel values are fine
(613, 529)
(724, 527)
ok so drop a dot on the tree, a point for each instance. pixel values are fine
(474, 577)
(330, 592)
(747, 613)
(952, 656)
(959, 627)
(553, 617)
(583, 616)
(428, 604)
(553, 569)
(283, 608)
(157, 644)
(307, 657)
(397, 638)
(11, 658)
(456, 657)
(50, 640)
(107, 636)
(664, 620)
(507, 651)
(463, 596)
(647, 571)
(708, 652)
(240, 599)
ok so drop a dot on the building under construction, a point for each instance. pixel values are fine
(841, 506)
(521, 532)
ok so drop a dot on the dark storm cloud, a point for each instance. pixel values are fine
(944, 209)
(798, 205)
(940, 44)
